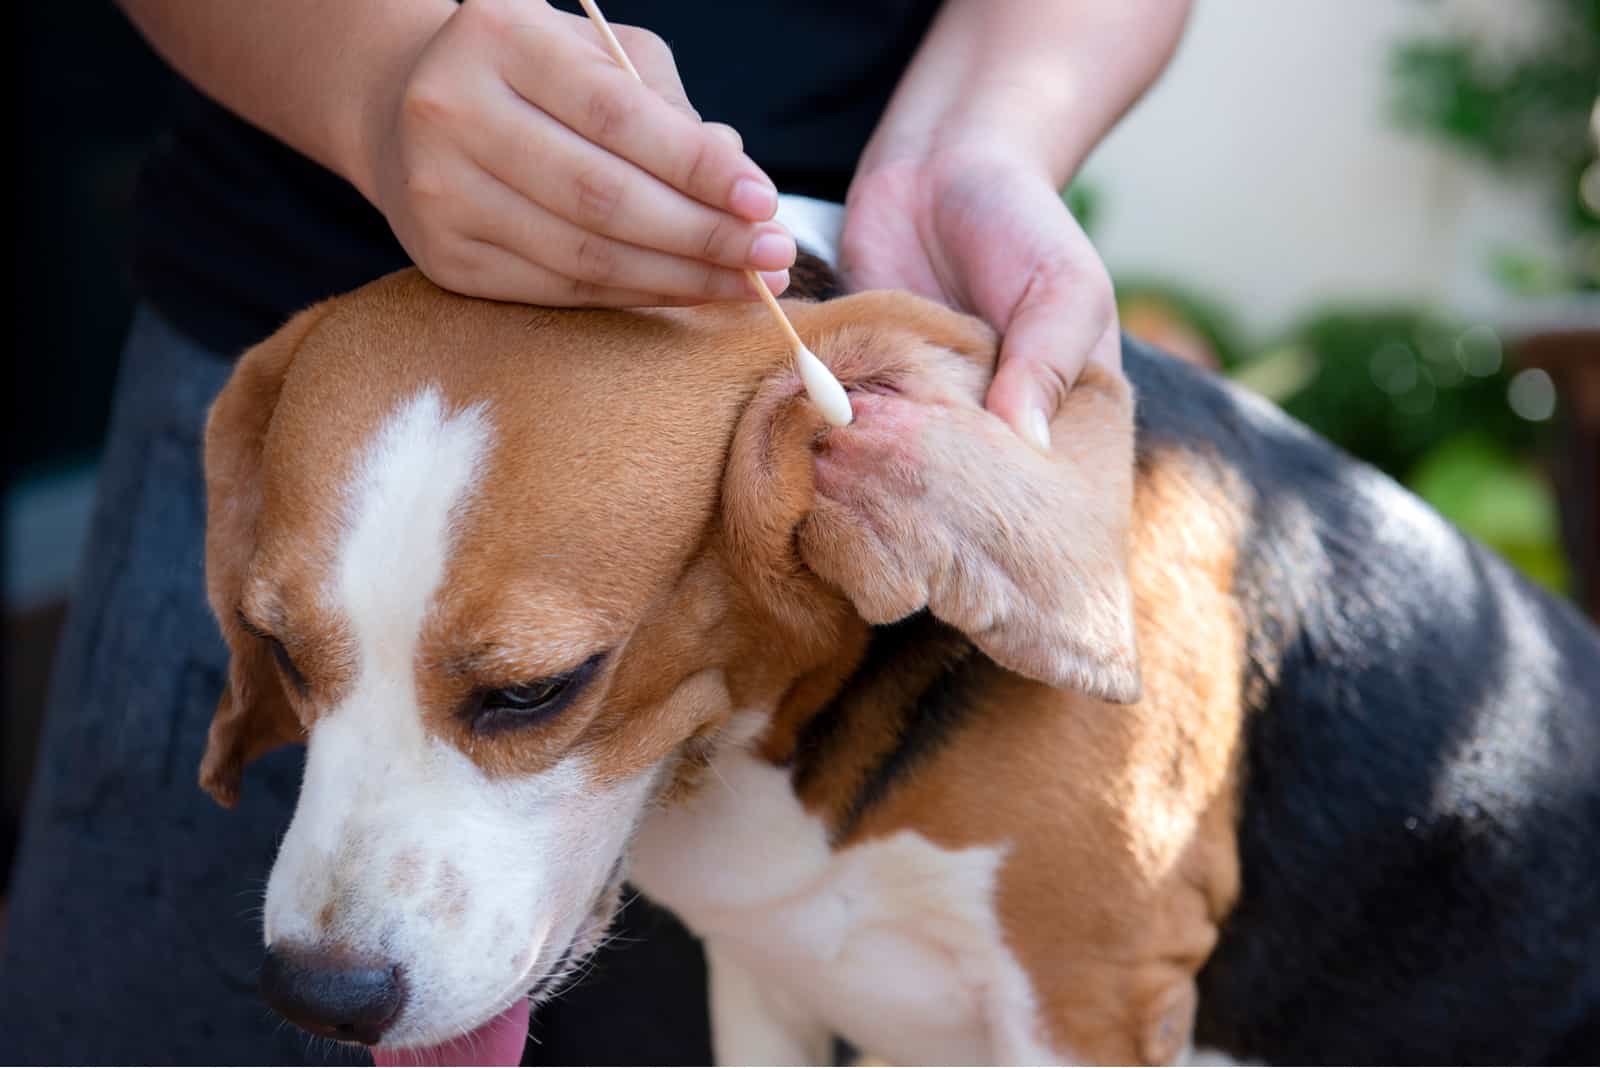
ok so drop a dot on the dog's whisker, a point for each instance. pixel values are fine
(723, 779)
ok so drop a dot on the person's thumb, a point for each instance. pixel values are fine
(1042, 351)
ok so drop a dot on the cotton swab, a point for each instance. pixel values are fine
(821, 386)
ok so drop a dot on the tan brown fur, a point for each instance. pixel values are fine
(1122, 861)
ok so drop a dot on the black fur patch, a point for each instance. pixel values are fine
(1420, 814)
(812, 278)
(920, 674)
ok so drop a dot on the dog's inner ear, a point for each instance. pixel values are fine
(929, 501)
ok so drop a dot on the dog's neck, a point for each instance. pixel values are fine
(893, 697)
(843, 707)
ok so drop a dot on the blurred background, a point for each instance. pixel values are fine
(1382, 214)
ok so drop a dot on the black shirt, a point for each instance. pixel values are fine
(236, 231)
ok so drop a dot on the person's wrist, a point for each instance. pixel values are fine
(958, 142)
(949, 158)
(375, 105)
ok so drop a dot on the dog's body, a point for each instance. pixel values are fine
(1418, 825)
(1419, 805)
(1353, 815)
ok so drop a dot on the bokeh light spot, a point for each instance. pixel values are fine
(1478, 351)
(1394, 367)
(1532, 395)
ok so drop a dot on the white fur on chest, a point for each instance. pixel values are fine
(893, 943)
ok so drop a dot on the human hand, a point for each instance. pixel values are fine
(983, 229)
(516, 161)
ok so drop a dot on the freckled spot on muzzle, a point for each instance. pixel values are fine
(448, 905)
(405, 872)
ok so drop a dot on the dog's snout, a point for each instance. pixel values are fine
(332, 993)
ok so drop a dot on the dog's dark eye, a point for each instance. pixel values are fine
(286, 664)
(280, 654)
(529, 703)
(534, 695)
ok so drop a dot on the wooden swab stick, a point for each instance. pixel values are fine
(821, 386)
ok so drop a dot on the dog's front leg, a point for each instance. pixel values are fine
(752, 1023)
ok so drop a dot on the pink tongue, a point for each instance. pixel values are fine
(498, 1042)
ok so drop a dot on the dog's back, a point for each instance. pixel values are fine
(1419, 813)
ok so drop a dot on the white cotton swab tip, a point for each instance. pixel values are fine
(823, 389)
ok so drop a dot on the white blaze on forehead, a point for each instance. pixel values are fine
(416, 472)
(421, 466)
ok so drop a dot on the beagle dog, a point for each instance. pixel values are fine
(1194, 734)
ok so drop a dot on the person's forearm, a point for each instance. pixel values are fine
(306, 71)
(1048, 78)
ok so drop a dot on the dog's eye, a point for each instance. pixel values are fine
(280, 654)
(286, 664)
(525, 698)
(529, 703)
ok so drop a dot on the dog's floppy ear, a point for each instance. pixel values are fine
(928, 501)
(253, 715)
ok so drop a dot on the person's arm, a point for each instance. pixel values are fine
(957, 195)
(511, 156)
(302, 70)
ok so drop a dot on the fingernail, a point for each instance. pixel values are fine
(777, 281)
(772, 250)
(754, 199)
(1036, 428)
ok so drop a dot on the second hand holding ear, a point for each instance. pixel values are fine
(984, 232)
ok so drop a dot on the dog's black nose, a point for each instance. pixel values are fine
(332, 993)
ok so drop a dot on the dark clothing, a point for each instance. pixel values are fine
(237, 232)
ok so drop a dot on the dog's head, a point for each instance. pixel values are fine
(505, 571)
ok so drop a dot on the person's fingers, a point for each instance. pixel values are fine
(494, 196)
(501, 216)
(650, 125)
(727, 133)
(483, 269)
(1051, 334)
(555, 167)
(486, 270)
(652, 58)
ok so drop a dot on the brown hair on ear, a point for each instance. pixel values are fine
(929, 501)
(253, 715)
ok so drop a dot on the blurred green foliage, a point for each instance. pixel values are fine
(1487, 491)
(1419, 394)
(1083, 200)
(1393, 384)
(1524, 110)
(1426, 398)
(1512, 107)
(1213, 320)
